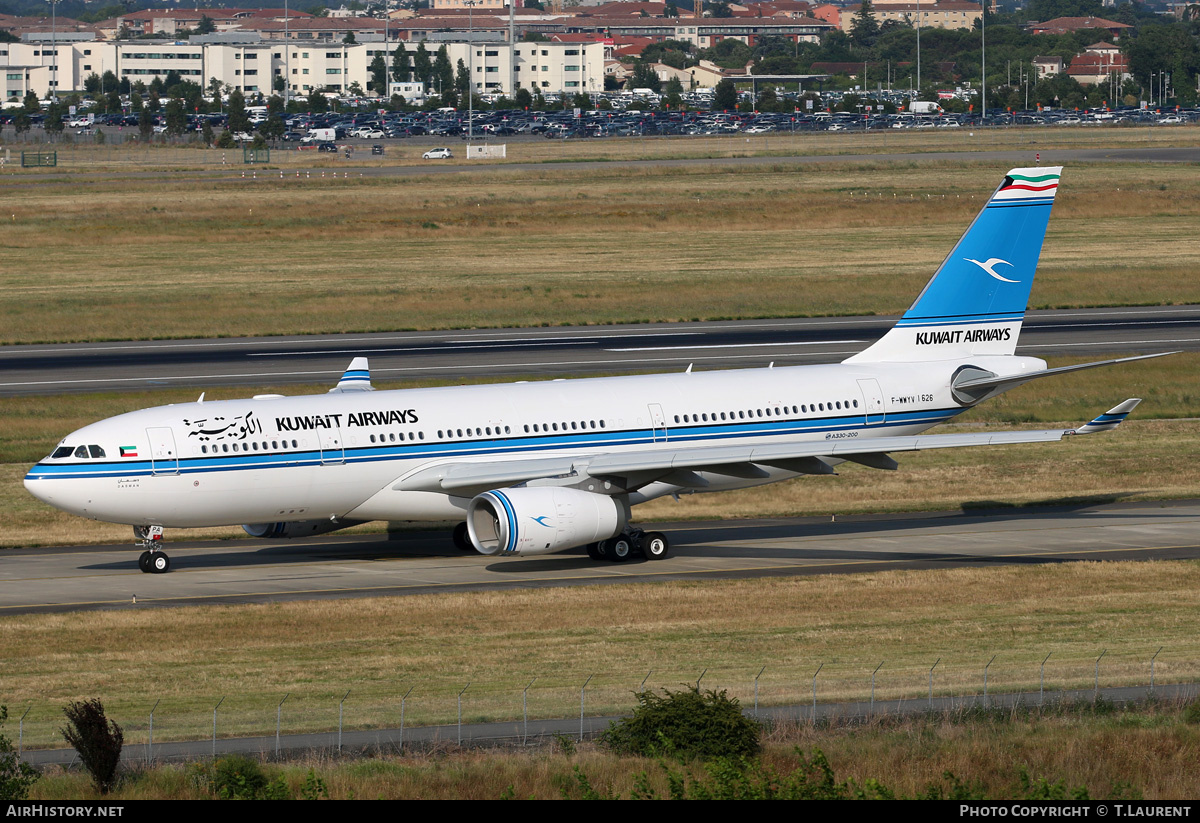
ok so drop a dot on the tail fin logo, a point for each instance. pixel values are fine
(989, 267)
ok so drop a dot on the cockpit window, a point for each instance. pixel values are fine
(81, 452)
(96, 451)
(62, 451)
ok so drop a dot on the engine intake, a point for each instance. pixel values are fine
(541, 520)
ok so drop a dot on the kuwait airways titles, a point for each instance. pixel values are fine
(330, 421)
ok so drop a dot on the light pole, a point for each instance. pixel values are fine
(287, 63)
(470, 4)
(983, 61)
(918, 48)
(54, 51)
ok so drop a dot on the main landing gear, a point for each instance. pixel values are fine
(462, 539)
(153, 560)
(651, 545)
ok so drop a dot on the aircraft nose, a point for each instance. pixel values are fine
(37, 485)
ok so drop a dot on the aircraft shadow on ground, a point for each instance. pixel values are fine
(694, 542)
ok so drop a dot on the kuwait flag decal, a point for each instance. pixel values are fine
(129, 451)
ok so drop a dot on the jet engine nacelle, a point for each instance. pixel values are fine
(541, 520)
(298, 528)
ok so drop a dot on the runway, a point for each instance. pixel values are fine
(257, 571)
(541, 352)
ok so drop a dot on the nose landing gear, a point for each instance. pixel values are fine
(153, 560)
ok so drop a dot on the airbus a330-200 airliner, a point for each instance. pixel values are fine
(536, 467)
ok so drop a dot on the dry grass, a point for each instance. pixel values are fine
(112, 260)
(499, 641)
(1150, 750)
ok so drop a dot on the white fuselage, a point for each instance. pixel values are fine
(344, 455)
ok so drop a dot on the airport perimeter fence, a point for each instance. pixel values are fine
(413, 699)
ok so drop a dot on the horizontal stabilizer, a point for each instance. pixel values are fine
(980, 386)
(1111, 418)
(356, 378)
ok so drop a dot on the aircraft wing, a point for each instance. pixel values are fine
(631, 470)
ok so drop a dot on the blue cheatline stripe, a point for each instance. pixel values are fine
(1111, 418)
(510, 445)
(511, 542)
(959, 320)
(1011, 203)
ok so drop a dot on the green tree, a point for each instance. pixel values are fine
(215, 87)
(317, 102)
(206, 132)
(725, 96)
(206, 25)
(442, 70)
(31, 103)
(238, 121)
(226, 141)
(91, 84)
(422, 65)
(523, 98)
(176, 118)
(864, 29)
(97, 739)
(644, 77)
(400, 68)
(145, 123)
(16, 777)
(54, 118)
(21, 122)
(349, 39)
(462, 78)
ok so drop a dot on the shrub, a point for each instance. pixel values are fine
(15, 776)
(236, 777)
(97, 739)
(687, 723)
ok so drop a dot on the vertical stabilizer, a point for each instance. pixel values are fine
(357, 377)
(975, 303)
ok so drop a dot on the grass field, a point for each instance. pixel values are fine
(499, 641)
(170, 256)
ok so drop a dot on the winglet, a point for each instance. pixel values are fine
(1110, 419)
(356, 378)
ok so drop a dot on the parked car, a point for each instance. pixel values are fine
(440, 153)
(330, 147)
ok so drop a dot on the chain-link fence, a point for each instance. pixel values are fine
(418, 700)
